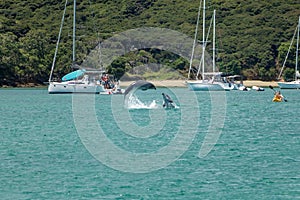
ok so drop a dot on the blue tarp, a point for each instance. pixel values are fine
(73, 75)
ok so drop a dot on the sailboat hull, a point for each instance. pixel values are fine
(205, 86)
(65, 87)
(289, 85)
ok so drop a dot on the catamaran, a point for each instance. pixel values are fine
(296, 83)
(83, 80)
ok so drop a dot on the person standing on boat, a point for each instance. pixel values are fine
(105, 80)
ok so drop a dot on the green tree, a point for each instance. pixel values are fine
(9, 59)
(288, 74)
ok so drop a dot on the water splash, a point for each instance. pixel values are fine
(135, 103)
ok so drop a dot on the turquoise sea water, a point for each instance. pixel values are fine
(46, 154)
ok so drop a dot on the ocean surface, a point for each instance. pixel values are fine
(226, 145)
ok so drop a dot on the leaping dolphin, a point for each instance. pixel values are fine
(138, 85)
(168, 102)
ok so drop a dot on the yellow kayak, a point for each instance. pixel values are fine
(277, 99)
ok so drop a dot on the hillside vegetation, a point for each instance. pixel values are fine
(252, 35)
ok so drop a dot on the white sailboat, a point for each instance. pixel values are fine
(211, 81)
(296, 83)
(82, 80)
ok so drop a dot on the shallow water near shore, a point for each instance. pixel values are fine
(44, 155)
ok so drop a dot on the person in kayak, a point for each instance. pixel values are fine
(278, 97)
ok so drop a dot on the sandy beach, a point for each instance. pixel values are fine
(181, 83)
(163, 83)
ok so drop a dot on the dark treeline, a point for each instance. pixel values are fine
(253, 36)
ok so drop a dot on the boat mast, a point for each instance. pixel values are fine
(203, 42)
(74, 29)
(214, 42)
(195, 39)
(207, 35)
(297, 50)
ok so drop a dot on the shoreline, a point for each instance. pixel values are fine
(157, 83)
(181, 83)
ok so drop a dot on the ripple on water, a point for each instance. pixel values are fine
(257, 155)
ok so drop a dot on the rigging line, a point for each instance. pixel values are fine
(203, 39)
(58, 40)
(206, 41)
(74, 32)
(297, 50)
(195, 38)
(287, 53)
(214, 41)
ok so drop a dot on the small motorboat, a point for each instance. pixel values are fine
(244, 88)
(258, 88)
